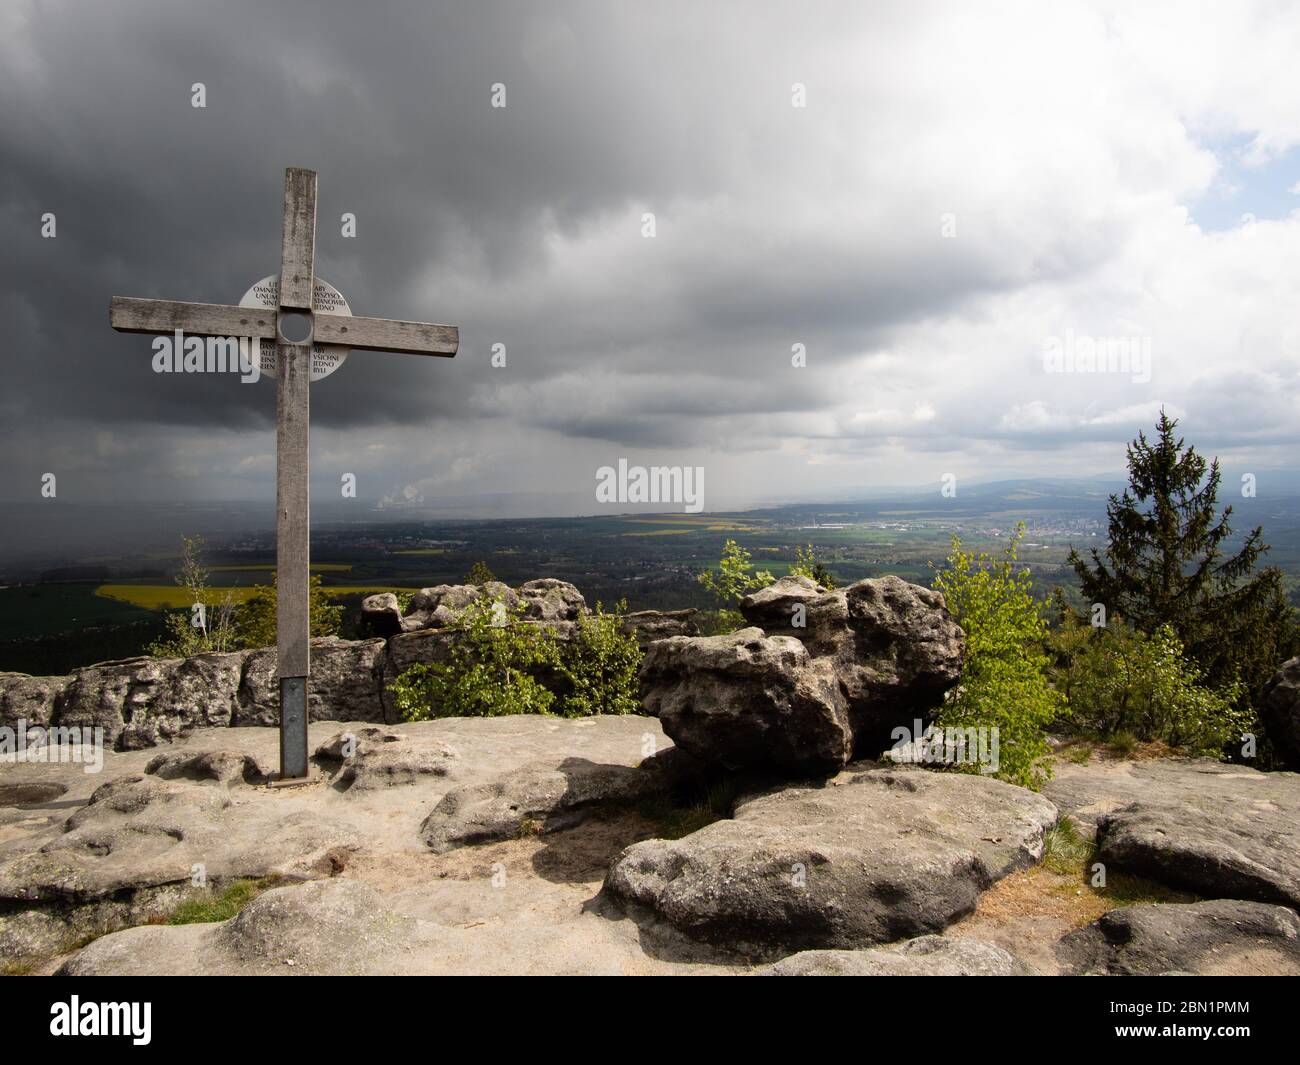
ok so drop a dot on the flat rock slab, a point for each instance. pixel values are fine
(1218, 830)
(543, 797)
(71, 867)
(870, 856)
(296, 929)
(923, 956)
(139, 832)
(1222, 937)
(369, 758)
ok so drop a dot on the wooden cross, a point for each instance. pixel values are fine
(292, 412)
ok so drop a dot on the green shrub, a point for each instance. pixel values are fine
(490, 671)
(255, 621)
(499, 664)
(598, 667)
(1125, 686)
(735, 577)
(191, 632)
(1004, 679)
(806, 564)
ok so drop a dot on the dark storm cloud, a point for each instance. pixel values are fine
(610, 111)
(775, 226)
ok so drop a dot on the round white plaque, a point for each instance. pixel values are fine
(325, 358)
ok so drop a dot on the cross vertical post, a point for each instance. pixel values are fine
(293, 468)
(293, 350)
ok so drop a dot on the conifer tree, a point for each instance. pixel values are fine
(1169, 561)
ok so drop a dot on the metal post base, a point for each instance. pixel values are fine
(293, 728)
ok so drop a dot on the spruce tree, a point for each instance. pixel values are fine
(1168, 562)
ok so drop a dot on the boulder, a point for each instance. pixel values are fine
(438, 607)
(1280, 710)
(552, 601)
(1212, 828)
(537, 798)
(222, 767)
(30, 699)
(381, 758)
(868, 857)
(650, 625)
(895, 649)
(326, 927)
(923, 956)
(381, 615)
(746, 699)
(1242, 850)
(1224, 937)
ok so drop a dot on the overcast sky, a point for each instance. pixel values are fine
(964, 183)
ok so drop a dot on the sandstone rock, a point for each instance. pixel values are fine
(30, 934)
(30, 699)
(200, 691)
(650, 625)
(27, 793)
(328, 927)
(440, 606)
(223, 767)
(551, 600)
(111, 694)
(868, 857)
(381, 615)
(380, 758)
(307, 923)
(538, 798)
(345, 683)
(894, 647)
(1219, 938)
(746, 700)
(1242, 851)
(923, 956)
(142, 832)
(1280, 709)
(1218, 830)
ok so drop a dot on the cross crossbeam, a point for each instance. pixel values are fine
(293, 410)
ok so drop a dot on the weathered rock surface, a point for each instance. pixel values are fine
(650, 625)
(552, 601)
(822, 676)
(345, 680)
(923, 956)
(328, 927)
(139, 832)
(868, 857)
(1218, 830)
(143, 702)
(222, 767)
(745, 699)
(384, 758)
(1280, 709)
(542, 797)
(1223, 937)
(895, 648)
(30, 699)
(381, 615)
